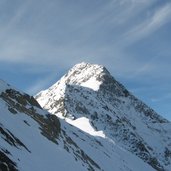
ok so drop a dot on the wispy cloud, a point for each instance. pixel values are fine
(147, 67)
(152, 23)
(70, 34)
(57, 33)
(39, 38)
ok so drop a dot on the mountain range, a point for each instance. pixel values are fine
(85, 121)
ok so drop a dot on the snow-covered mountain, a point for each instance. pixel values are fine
(89, 98)
(89, 122)
(33, 139)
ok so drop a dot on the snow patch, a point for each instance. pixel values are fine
(83, 123)
(92, 83)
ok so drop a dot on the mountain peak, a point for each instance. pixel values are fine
(88, 66)
(86, 75)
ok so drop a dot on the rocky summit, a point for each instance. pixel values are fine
(85, 121)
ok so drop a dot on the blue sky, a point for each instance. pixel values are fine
(40, 40)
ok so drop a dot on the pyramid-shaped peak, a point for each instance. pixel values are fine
(86, 75)
(86, 65)
(85, 71)
(83, 66)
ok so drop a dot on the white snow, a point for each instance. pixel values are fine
(46, 155)
(92, 83)
(83, 123)
(109, 156)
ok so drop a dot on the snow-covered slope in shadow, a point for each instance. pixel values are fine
(33, 139)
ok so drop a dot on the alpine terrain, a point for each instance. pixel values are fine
(85, 121)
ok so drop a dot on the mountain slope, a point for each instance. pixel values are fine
(30, 138)
(33, 139)
(89, 98)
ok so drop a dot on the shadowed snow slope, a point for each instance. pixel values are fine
(33, 139)
(90, 99)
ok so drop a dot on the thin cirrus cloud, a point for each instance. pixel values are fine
(43, 39)
(86, 34)
(40, 33)
(151, 24)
